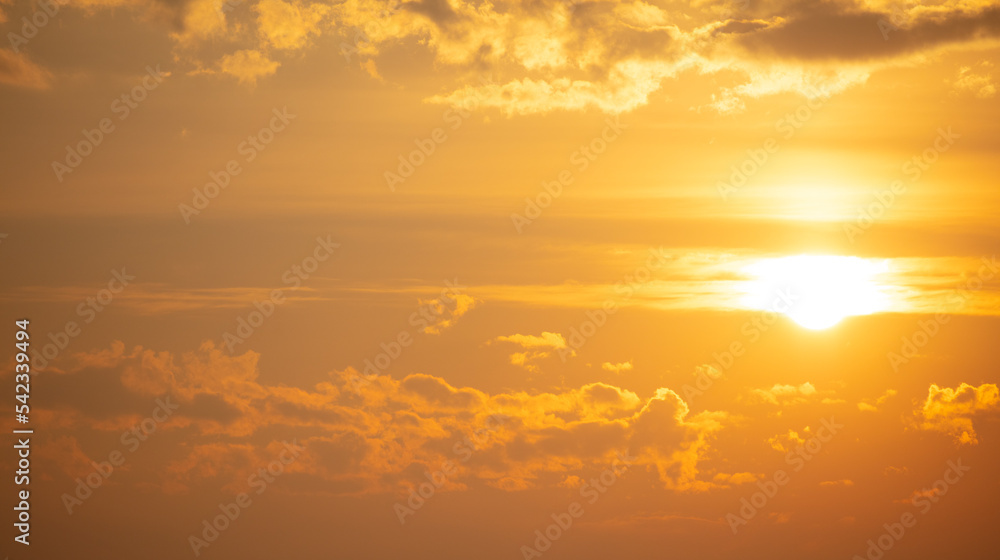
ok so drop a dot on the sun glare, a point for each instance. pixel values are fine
(816, 291)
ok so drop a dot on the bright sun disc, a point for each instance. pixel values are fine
(816, 291)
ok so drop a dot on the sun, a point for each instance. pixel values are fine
(816, 291)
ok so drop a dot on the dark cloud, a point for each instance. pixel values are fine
(826, 32)
(438, 11)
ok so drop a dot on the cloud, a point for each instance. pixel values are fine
(371, 69)
(607, 56)
(785, 442)
(831, 30)
(735, 479)
(546, 340)
(18, 70)
(288, 26)
(65, 452)
(871, 405)
(440, 313)
(534, 345)
(437, 11)
(524, 359)
(203, 19)
(572, 481)
(784, 394)
(951, 411)
(979, 85)
(382, 438)
(626, 87)
(248, 66)
(613, 56)
(676, 441)
(616, 368)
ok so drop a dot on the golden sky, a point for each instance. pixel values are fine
(503, 280)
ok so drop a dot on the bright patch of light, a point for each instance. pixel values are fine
(816, 291)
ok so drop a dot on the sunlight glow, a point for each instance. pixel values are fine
(816, 291)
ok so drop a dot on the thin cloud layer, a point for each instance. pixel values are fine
(536, 347)
(18, 70)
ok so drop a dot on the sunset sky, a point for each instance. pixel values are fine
(503, 280)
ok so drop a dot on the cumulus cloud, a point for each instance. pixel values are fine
(203, 19)
(608, 56)
(951, 411)
(383, 437)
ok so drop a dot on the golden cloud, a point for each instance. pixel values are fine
(248, 66)
(872, 405)
(951, 411)
(382, 438)
(535, 346)
(288, 26)
(616, 368)
(546, 340)
(608, 56)
(784, 394)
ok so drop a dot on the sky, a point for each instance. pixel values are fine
(500, 280)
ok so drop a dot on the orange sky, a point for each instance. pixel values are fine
(504, 280)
